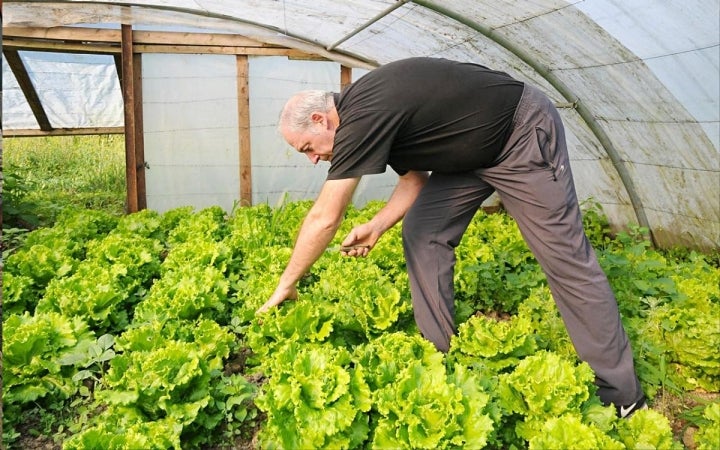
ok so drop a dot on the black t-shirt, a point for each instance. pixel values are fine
(426, 114)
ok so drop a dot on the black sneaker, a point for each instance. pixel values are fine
(624, 412)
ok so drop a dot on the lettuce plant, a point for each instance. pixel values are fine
(315, 398)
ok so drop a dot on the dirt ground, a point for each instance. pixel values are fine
(677, 408)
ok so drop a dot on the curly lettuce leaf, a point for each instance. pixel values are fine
(649, 429)
(33, 351)
(493, 343)
(315, 398)
(568, 431)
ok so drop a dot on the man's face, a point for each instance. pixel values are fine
(316, 143)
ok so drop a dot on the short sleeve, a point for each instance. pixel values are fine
(362, 143)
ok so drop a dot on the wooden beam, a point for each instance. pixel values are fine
(62, 131)
(82, 34)
(243, 101)
(139, 132)
(107, 41)
(105, 49)
(203, 39)
(21, 75)
(65, 33)
(58, 46)
(129, 109)
(222, 50)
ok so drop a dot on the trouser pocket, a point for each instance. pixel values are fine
(545, 147)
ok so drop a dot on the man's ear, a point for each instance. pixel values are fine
(317, 117)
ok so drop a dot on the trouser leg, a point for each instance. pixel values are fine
(432, 228)
(535, 184)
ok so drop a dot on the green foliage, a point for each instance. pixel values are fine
(60, 172)
(371, 309)
(595, 223)
(19, 294)
(314, 399)
(139, 433)
(495, 270)
(545, 384)
(182, 361)
(569, 431)
(233, 399)
(185, 294)
(672, 308)
(417, 402)
(36, 350)
(546, 324)
(163, 377)
(424, 408)
(17, 210)
(486, 342)
(647, 429)
(708, 435)
(28, 271)
(116, 271)
(385, 356)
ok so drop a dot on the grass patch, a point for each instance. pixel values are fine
(45, 175)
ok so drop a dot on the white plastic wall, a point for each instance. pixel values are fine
(75, 90)
(191, 139)
(279, 172)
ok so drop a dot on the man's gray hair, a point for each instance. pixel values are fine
(296, 115)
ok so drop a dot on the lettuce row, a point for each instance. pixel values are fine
(192, 277)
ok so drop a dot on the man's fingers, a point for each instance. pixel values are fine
(266, 307)
(274, 301)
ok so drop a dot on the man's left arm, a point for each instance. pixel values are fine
(402, 198)
(316, 232)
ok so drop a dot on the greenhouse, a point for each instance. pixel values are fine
(139, 329)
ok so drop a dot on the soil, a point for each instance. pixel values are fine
(676, 407)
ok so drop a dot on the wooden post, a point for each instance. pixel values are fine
(139, 132)
(128, 89)
(244, 131)
(345, 76)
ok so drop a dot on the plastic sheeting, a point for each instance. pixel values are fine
(76, 91)
(643, 76)
(191, 138)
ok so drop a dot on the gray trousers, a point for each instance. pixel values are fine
(532, 176)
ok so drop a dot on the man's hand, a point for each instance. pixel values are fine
(404, 195)
(280, 295)
(362, 239)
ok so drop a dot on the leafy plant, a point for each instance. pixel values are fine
(314, 399)
(192, 366)
(17, 210)
(36, 352)
(647, 429)
(493, 344)
(708, 434)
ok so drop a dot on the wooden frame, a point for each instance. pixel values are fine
(127, 46)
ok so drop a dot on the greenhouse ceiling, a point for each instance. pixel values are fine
(637, 81)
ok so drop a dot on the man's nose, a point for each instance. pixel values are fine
(312, 157)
